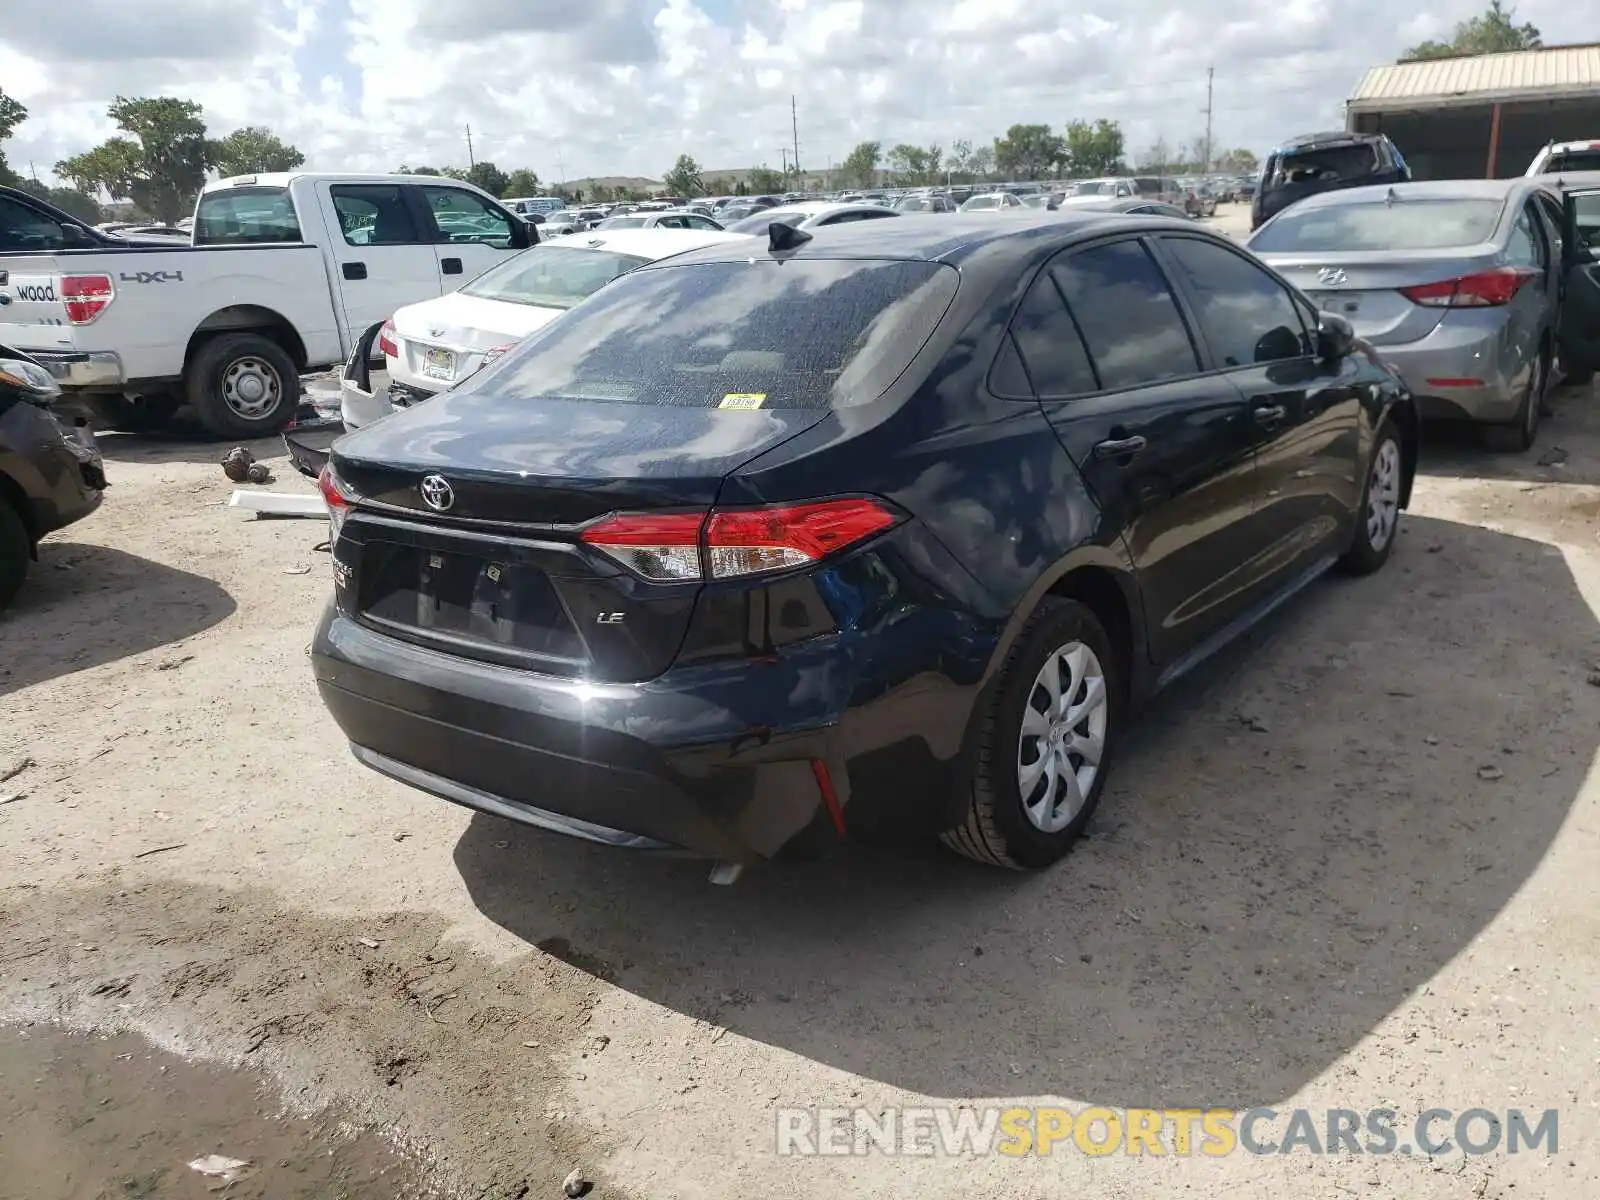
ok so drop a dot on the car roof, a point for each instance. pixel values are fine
(1332, 137)
(1561, 180)
(649, 243)
(950, 239)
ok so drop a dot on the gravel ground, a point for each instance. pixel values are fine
(1350, 864)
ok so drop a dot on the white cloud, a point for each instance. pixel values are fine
(624, 86)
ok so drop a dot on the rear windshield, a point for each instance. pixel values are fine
(550, 276)
(245, 216)
(978, 203)
(801, 333)
(1331, 164)
(1091, 187)
(623, 223)
(1574, 160)
(758, 222)
(1374, 225)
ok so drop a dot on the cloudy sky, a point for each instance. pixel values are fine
(613, 87)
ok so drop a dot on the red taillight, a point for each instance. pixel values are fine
(86, 296)
(386, 344)
(737, 542)
(497, 352)
(339, 499)
(1483, 289)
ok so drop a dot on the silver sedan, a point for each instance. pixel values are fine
(1456, 284)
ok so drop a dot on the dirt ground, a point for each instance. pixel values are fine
(1351, 863)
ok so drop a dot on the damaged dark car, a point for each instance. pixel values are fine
(51, 473)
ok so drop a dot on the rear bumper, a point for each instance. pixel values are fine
(638, 765)
(83, 369)
(1438, 369)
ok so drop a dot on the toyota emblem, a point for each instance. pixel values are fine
(437, 493)
(1332, 276)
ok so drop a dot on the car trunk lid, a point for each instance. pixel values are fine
(447, 339)
(492, 565)
(1366, 288)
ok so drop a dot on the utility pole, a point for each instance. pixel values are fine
(794, 130)
(471, 162)
(1210, 73)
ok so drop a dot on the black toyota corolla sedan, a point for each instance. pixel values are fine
(878, 532)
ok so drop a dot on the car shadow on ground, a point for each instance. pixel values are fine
(107, 603)
(178, 446)
(1295, 839)
(1567, 449)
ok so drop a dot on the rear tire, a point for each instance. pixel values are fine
(1520, 434)
(16, 549)
(1018, 738)
(1378, 518)
(243, 385)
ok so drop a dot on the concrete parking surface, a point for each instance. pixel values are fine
(1351, 863)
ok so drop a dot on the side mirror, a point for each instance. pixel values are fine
(76, 235)
(522, 234)
(1335, 337)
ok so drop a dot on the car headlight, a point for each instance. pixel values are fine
(35, 383)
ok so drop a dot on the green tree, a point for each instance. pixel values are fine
(933, 164)
(522, 182)
(908, 164)
(254, 150)
(1238, 162)
(454, 173)
(1095, 149)
(860, 166)
(684, 179)
(405, 170)
(12, 114)
(1028, 152)
(487, 176)
(161, 167)
(1494, 31)
(1158, 157)
(764, 180)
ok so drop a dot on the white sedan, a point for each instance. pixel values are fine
(431, 346)
(672, 218)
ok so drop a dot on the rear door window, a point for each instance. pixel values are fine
(245, 216)
(1049, 346)
(23, 228)
(372, 214)
(1246, 315)
(802, 333)
(1130, 322)
(462, 216)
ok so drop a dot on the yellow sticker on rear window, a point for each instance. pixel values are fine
(743, 400)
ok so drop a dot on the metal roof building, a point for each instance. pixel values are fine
(1485, 115)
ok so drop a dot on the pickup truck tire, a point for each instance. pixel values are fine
(243, 385)
(16, 548)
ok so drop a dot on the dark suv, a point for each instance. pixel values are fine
(50, 470)
(1324, 162)
(877, 532)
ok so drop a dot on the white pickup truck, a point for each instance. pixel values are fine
(284, 274)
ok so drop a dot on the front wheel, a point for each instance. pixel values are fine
(243, 385)
(1045, 743)
(1378, 520)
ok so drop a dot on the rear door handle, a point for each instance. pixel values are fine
(1119, 447)
(354, 270)
(1270, 414)
(450, 266)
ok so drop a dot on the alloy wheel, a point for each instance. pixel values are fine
(1063, 737)
(1383, 495)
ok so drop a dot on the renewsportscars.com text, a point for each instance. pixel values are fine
(1182, 1132)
